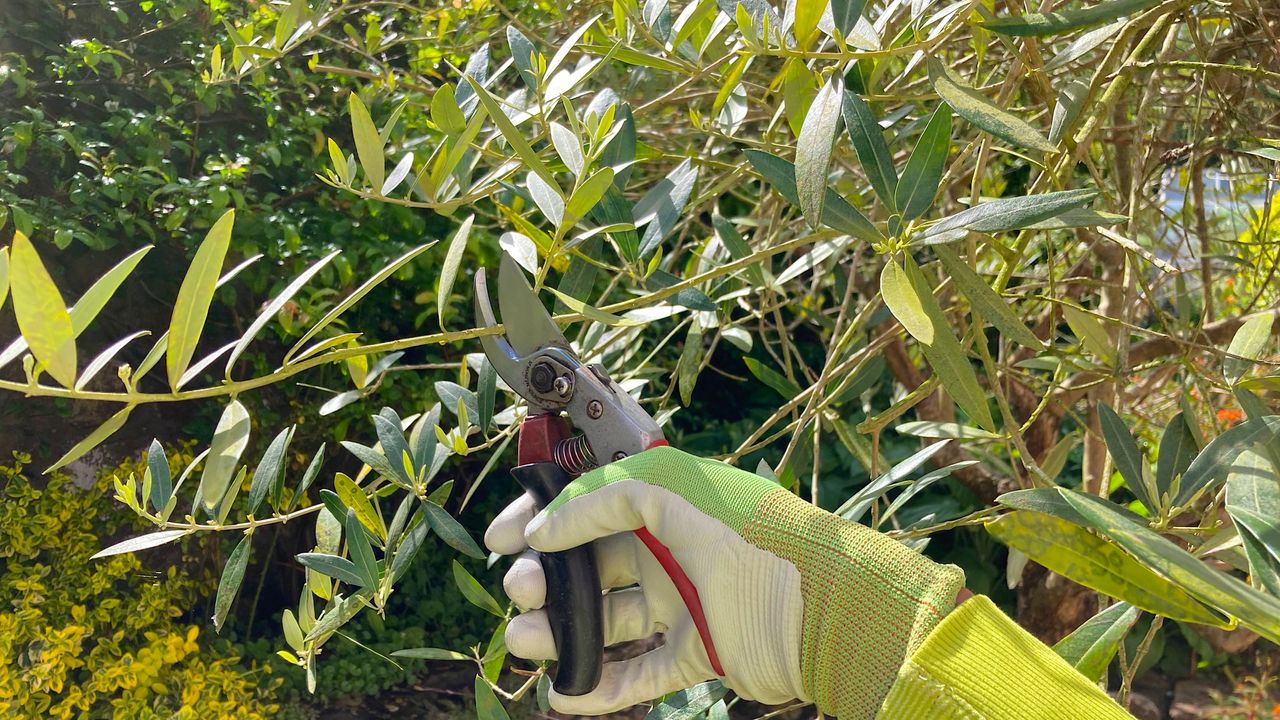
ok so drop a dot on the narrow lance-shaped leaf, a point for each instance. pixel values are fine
(985, 301)
(662, 205)
(486, 394)
(474, 592)
(229, 441)
(229, 584)
(982, 112)
(1064, 21)
(1082, 557)
(94, 439)
(511, 133)
(1255, 610)
(4, 276)
(813, 148)
(1213, 461)
(837, 212)
(450, 530)
(274, 306)
(338, 568)
(89, 304)
(360, 551)
(355, 498)
(1253, 501)
(142, 542)
(161, 482)
(1090, 647)
(488, 707)
(919, 182)
(947, 357)
(901, 298)
(1004, 214)
(95, 366)
(1125, 454)
(1248, 344)
(449, 271)
(191, 309)
(845, 14)
(41, 313)
(270, 471)
(689, 703)
(356, 295)
(1090, 331)
(368, 142)
(868, 142)
(1177, 449)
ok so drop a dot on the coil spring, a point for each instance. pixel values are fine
(574, 455)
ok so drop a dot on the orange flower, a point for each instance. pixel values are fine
(1229, 416)
(1275, 710)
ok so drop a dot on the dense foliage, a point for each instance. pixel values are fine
(809, 240)
(83, 638)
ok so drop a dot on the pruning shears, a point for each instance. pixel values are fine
(538, 363)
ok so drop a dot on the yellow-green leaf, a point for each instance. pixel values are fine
(368, 143)
(191, 309)
(351, 494)
(42, 314)
(1078, 555)
(589, 312)
(900, 295)
(947, 357)
(1092, 335)
(229, 441)
(95, 438)
(449, 272)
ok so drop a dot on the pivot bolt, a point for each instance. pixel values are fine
(542, 377)
(595, 409)
(619, 455)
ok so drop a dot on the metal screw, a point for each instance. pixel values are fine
(542, 377)
(563, 385)
(595, 409)
(619, 455)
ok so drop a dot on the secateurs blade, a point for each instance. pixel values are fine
(540, 365)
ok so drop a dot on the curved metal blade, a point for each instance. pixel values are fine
(506, 361)
(528, 325)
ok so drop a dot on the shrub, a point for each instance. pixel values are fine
(84, 638)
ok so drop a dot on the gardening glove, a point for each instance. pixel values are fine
(798, 603)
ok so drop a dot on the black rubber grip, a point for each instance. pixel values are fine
(574, 599)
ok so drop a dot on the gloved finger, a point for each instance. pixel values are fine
(626, 617)
(526, 584)
(628, 682)
(614, 508)
(505, 535)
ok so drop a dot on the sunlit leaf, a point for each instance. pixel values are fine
(1090, 647)
(142, 542)
(982, 112)
(230, 438)
(94, 439)
(1064, 21)
(813, 147)
(368, 142)
(41, 313)
(191, 309)
(474, 592)
(1080, 556)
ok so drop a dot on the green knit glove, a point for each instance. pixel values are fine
(798, 602)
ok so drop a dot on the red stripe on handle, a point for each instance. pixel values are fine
(687, 591)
